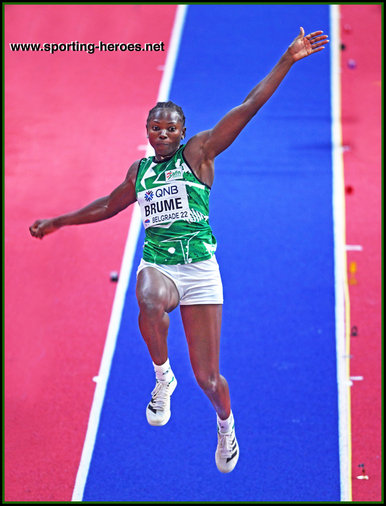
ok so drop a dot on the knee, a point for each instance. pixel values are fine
(208, 382)
(150, 301)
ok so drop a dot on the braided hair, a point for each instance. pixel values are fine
(167, 105)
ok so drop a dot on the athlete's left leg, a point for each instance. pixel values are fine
(202, 324)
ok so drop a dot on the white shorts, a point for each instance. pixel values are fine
(197, 283)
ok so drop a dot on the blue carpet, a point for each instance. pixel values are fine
(271, 212)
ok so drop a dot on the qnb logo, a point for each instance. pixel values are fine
(166, 191)
(149, 196)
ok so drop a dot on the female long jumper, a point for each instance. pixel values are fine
(179, 265)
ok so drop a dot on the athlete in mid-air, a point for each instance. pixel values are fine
(179, 265)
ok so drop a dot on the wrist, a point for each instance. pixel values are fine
(288, 58)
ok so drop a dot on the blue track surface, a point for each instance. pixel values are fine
(271, 211)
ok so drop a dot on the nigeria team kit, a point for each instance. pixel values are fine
(175, 212)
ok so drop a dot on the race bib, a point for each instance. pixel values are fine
(164, 204)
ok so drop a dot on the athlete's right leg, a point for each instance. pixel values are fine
(157, 296)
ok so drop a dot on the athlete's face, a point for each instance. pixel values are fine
(165, 132)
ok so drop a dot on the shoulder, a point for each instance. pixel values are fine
(197, 143)
(195, 149)
(134, 166)
(131, 175)
(197, 156)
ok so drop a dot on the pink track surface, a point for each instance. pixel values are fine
(74, 122)
(361, 121)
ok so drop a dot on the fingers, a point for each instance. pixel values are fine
(317, 40)
(314, 34)
(36, 230)
(320, 44)
(316, 37)
(33, 228)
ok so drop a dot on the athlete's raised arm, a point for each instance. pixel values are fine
(205, 146)
(100, 209)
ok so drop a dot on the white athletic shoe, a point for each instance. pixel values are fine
(227, 453)
(158, 410)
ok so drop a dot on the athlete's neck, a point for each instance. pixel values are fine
(162, 158)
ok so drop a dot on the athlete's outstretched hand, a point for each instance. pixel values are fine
(40, 228)
(304, 45)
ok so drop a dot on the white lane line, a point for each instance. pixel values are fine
(342, 306)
